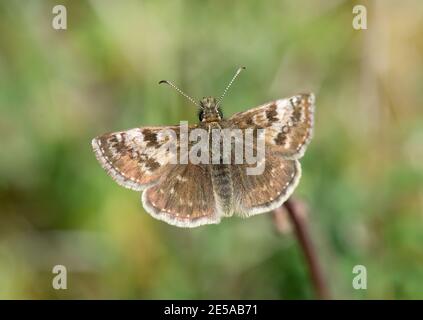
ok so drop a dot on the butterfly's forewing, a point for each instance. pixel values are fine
(184, 197)
(288, 124)
(134, 158)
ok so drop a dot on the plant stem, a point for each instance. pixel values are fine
(297, 216)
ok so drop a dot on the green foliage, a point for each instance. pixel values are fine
(362, 175)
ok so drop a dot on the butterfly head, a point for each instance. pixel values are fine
(209, 106)
(209, 110)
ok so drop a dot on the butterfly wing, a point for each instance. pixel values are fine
(255, 194)
(288, 124)
(136, 158)
(179, 194)
(184, 197)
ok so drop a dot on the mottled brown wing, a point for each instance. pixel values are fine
(288, 124)
(184, 197)
(255, 194)
(135, 158)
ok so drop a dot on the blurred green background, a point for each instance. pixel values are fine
(362, 174)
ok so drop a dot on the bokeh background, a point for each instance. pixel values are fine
(362, 174)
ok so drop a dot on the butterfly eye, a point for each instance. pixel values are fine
(201, 115)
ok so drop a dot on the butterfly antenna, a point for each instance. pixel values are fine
(179, 90)
(230, 83)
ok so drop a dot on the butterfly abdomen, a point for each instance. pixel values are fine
(222, 187)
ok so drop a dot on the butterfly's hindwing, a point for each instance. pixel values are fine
(184, 197)
(255, 194)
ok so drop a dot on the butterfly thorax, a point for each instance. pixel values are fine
(209, 110)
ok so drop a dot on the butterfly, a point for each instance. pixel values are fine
(193, 194)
